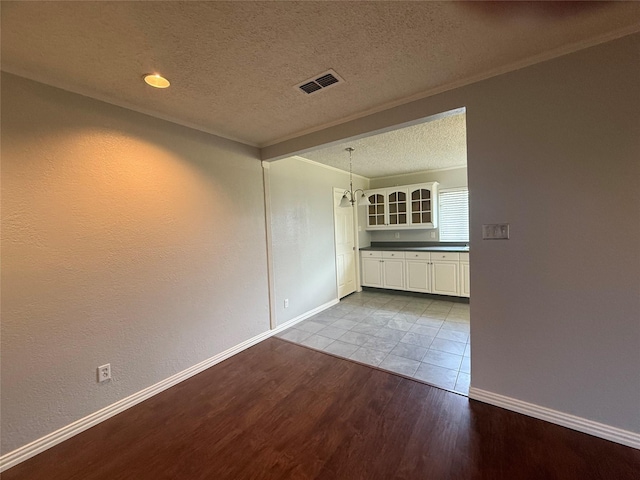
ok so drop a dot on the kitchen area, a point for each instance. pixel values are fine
(407, 311)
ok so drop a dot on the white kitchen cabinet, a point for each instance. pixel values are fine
(372, 271)
(383, 269)
(442, 273)
(404, 207)
(465, 290)
(388, 208)
(397, 207)
(423, 205)
(393, 273)
(377, 211)
(444, 277)
(419, 276)
(418, 267)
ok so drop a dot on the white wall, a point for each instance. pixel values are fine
(303, 233)
(554, 149)
(449, 178)
(125, 240)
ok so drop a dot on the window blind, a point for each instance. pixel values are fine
(454, 215)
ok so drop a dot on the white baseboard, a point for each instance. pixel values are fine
(305, 315)
(614, 434)
(40, 445)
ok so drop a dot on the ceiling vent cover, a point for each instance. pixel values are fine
(319, 82)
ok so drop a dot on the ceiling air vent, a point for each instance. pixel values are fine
(319, 82)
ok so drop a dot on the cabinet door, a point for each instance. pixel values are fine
(376, 211)
(393, 273)
(418, 276)
(371, 272)
(421, 206)
(397, 202)
(464, 280)
(445, 277)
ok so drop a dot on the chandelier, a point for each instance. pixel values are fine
(349, 196)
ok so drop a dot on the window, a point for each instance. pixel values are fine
(454, 215)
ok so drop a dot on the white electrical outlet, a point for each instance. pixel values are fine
(432, 234)
(104, 373)
(286, 303)
(397, 234)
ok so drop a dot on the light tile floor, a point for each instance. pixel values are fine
(423, 338)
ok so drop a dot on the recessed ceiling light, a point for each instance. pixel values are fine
(156, 80)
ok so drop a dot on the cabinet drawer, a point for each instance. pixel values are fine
(370, 253)
(445, 256)
(417, 255)
(392, 254)
(464, 257)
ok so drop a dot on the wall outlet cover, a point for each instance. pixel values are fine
(104, 373)
(495, 231)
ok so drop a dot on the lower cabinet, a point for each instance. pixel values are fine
(372, 271)
(445, 273)
(464, 277)
(383, 270)
(418, 271)
(442, 273)
(393, 273)
(418, 276)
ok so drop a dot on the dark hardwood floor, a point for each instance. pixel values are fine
(281, 411)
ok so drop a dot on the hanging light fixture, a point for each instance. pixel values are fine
(349, 197)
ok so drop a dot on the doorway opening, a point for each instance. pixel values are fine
(402, 262)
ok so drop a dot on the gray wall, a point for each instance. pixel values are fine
(125, 240)
(302, 229)
(554, 149)
(456, 177)
(133, 241)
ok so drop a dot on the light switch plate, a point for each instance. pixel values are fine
(495, 231)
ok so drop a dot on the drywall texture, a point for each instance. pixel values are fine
(456, 177)
(302, 230)
(438, 143)
(234, 64)
(126, 240)
(552, 149)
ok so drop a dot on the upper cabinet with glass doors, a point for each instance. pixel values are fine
(409, 206)
(422, 206)
(397, 202)
(376, 216)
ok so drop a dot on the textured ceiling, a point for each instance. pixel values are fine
(233, 65)
(440, 143)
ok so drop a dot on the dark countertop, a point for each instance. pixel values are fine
(430, 248)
